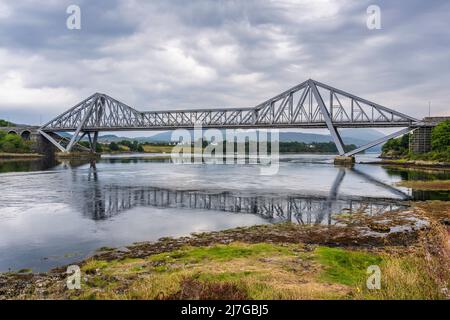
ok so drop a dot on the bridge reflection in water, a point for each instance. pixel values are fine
(106, 201)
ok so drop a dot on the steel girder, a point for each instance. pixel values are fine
(310, 104)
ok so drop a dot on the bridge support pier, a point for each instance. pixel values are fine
(93, 141)
(344, 161)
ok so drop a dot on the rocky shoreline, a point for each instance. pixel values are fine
(20, 156)
(392, 233)
(415, 164)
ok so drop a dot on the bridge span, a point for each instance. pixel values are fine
(311, 104)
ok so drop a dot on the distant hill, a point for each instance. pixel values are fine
(362, 133)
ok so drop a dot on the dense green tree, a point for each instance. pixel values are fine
(134, 145)
(391, 144)
(399, 145)
(440, 145)
(4, 123)
(126, 143)
(12, 143)
(299, 147)
(113, 146)
(440, 136)
(98, 147)
(85, 144)
(404, 141)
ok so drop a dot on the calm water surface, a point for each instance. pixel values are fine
(53, 213)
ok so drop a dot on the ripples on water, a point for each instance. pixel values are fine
(54, 213)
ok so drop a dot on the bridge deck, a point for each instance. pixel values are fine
(240, 126)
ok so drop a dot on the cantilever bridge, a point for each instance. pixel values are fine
(310, 104)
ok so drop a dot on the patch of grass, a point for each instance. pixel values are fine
(253, 271)
(136, 269)
(225, 276)
(404, 278)
(237, 270)
(220, 252)
(345, 266)
(422, 274)
(157, 148)
(426, 185)
(92, 265)
(152, 286)
(192, 288)
(98, 282)
(26, 270)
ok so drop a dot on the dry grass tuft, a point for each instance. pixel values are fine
(194, 289)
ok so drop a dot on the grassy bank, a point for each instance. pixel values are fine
(412, 164)
(283, 261)
(232, 271)
(20, 156)
(426, 185)
(78, 155)
(13, 143)
(157, 148)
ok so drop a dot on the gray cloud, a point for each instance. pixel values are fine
(178, 54)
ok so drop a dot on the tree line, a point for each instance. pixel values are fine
(13, 143)
(440, 145)
(124, 145)
(4, 123)
(288, 147)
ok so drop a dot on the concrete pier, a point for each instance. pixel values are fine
(420, 139)
(344, 161)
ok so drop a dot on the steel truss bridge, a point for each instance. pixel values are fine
(310, 104)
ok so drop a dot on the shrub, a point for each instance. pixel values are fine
(440, 136)
(113, 146)
(12, 143)
(399, 145)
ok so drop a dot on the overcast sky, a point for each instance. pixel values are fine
(187, 54)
